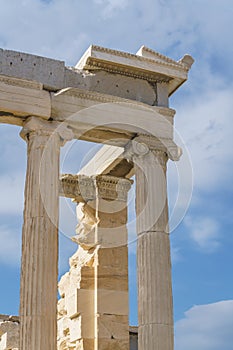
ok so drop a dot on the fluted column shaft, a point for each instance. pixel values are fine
(38, 300)
(155, 306)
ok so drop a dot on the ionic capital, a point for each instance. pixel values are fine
(34, 126)
(143, 144)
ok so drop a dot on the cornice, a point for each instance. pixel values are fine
(166, 60)
(160, 56)
(147, 64)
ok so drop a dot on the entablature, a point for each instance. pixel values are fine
(92, 116)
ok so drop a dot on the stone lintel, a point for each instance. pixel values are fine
(82, 188)
(20, 98)
(88, 110)
(93, 116)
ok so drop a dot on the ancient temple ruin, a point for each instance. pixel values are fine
(120, 100)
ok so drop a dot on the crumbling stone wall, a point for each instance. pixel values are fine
(9, 332)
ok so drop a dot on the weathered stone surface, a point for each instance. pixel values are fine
(99, 275)
(146, 64)
(118, 85)
(9, 335)
(21, 98)
(111, 97)
(112, 326)
(38, 298)
(76, 307)
(113, 344)
(155, 307)
(85, 110)
(75, 329)
(47, 71)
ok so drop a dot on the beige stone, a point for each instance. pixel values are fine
(75, 329)
(20, 98)
(140, 65)
(155, 306)
(113, 326)
(113, 344)
(119, 99)
(38, 297)
(112, 302)
(100, 275)
(9, 335)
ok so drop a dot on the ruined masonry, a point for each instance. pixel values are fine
(120, 100)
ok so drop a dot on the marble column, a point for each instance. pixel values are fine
(38, 292)
(111, 270)
(102, 294)
(155, 304)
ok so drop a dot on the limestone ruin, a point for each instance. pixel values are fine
(120, 100)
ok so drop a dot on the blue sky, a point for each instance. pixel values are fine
(202, 242)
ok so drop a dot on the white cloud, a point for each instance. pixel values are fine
(10, 247)
(204, 231)
(206, 327)
(205, 122)
(109, 7)
(63, 29)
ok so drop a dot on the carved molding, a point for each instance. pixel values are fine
(163, 60)
(84, 188)
(105, 98)
(81, 188)
(113, 188)
(91, 95)
(166, 60)
(21, 82)
(158, 55)
(130, 72)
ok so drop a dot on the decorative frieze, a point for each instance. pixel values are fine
(84, 188)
